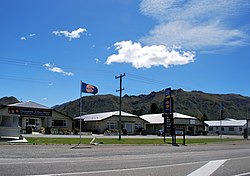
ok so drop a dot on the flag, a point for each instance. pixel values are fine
(87, 88)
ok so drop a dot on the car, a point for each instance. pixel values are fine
(160, 132)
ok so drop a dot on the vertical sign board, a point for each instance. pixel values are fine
(168, 111)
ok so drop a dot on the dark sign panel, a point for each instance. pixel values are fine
(168, 105)
(168, 93)
(30, 112)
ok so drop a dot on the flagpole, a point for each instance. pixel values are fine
(80, 112)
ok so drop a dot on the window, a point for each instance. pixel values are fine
(137, 126)
(112, 125)
(210, 129)
(222, 128)
(59, 123)
(30, 122)
(231, 128)
(240, 129)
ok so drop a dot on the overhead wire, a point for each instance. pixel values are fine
(17, 78)
(101, 72)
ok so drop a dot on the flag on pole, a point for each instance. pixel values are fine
(87, 88)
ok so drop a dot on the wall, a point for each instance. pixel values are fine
(101, 125)
(59, 116)
(216, 129)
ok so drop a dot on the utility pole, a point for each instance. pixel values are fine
(120, 108)
(221, 118)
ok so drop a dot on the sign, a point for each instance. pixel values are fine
(30, 112)
(168, 93)
(168, 115)
(168, 105)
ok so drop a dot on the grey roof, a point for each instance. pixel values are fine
(226, 123)
(158, 119)
(29, 104)
(102, 116)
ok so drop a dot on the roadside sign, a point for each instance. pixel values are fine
(168, 105)
(168, 115)
(168, 93)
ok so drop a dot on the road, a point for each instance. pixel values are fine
(100, 136)
(122, 160)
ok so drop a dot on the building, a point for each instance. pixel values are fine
(226, 126)
(100, 122)
(17, 118)
(192, 125)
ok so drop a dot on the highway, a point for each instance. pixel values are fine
(121, 160)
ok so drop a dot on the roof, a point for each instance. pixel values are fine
(102, 116)
(158, 119)
(226, 122)
(29, 104)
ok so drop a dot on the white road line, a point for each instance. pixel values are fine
(120, 170)
(243, 174)
(208, 168)
(215, 162)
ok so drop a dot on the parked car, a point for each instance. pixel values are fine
(160, 133)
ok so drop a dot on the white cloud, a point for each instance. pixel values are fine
(23, 38)
(27, 37)
(51, 67)
(148, 56)
(97, 60)
(196, 24)
(31, 35)
(71, 35)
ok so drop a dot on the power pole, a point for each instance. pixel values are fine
(120, 108)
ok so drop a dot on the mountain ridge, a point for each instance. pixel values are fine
(205, 106)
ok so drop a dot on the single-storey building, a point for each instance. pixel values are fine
(226, 126)
(192, 125)
(17, 118)
(100, 122)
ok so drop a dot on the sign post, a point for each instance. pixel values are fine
(168, 115)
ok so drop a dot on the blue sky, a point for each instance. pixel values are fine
(47, 47)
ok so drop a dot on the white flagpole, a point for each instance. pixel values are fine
(80, 112)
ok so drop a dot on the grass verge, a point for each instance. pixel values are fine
(124, 141)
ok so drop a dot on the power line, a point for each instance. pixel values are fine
(17, 78)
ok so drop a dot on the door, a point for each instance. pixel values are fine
(129, 127)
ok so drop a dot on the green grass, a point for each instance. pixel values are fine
(124, 141)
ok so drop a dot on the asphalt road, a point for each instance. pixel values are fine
(122, 160)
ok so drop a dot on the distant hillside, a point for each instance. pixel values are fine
(8, 100)
(194, 103)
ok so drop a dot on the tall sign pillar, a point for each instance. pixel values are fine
(168, 116)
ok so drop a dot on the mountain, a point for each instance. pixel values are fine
(8, 100)
(202, 105)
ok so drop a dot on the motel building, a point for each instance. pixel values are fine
(28, 117)
(192, 125)
(100, 122)
(227, 126)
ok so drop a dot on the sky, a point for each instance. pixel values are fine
(48, 47)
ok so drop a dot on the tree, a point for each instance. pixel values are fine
(154, 109)
(204, 117)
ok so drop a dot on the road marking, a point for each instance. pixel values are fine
(243, 174)
(216, 162)
(208, 168)
(120, 170)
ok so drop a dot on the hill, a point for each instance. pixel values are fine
(194, 103)
(8, 100)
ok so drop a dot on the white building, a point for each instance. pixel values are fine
(15, 118)
(100, 122)
(226, 126)
(191, 124)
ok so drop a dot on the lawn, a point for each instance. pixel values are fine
(131, 141)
